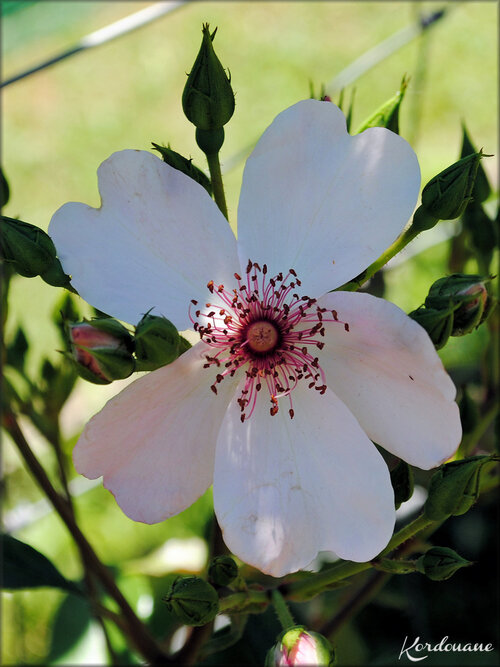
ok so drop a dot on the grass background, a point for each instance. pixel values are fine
(60, 124)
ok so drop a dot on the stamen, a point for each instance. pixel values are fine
(268, 329)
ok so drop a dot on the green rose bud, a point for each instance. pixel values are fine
(298, 646)
(29, 248)
(437, 323)
(54, 275)
(193, 600)
(101, 350)
(178, 161)
(446, 195)
(423, 220)
(402, 482)
(466, 294)
(440, 563)
(454, 488)
(388, 114)
(157, 343)
(222, 570)
(210, 141)
(208, 99)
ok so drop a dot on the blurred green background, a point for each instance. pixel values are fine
(60, 124)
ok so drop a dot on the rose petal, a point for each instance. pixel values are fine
(154, 442)
(387, 372)
(155, 242)
(320, 201)
(286, 489)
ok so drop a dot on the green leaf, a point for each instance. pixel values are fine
(4, 189)
(482, 188)
(402, 483)
(25, 567)
(71, 622)
(16, 351)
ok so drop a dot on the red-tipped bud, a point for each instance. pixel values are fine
(101, 350)
(298, 646)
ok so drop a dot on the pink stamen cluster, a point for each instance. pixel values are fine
(264, 325)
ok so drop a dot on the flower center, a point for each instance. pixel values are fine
(262, 336)
(265, 327)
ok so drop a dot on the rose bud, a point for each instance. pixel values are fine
(298, 646)
(101, 350)
(193, 600)
(222, 570)
(440, 563)
(208, 99)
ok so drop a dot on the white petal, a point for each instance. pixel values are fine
(155, 242)
(320, 201)
(285, 489)
(154, 442)
(387, 372)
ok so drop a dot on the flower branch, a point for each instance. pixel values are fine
(136, 631)
(401, 242)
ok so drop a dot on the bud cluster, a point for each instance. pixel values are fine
(103, 350)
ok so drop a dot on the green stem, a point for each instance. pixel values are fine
(217, 184)
(282, 611)
(406, 533)
(316, 583)
(471, 439)
(249, 600)
(398, 245)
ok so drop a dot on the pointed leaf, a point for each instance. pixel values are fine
(25, 567)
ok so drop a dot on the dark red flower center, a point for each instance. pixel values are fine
(264, 326)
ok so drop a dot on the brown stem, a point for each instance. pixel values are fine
(374, 583)
(136, 630)
(189, 652)
(56, 444)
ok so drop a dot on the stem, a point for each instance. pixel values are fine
(398, 245)
(471, 439)
(137, 632)
(282, 611)
(217, 184)
(360, 599)
(251, 600)
(56, 443)
(406, 533)
(316, 583)
(189, 652)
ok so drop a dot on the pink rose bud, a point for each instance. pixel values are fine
(299, 646)
(101, 350)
